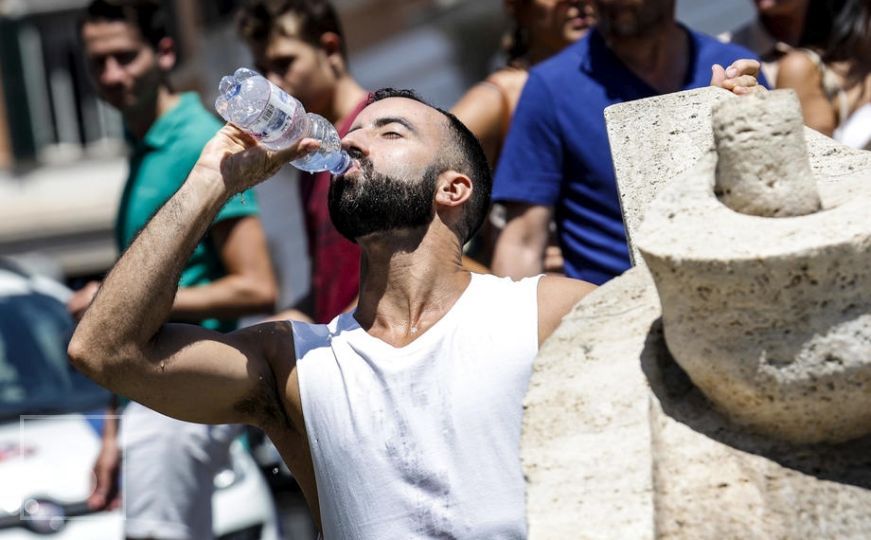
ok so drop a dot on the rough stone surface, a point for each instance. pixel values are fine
(586, 438)
(656, 140)
(762, 163)
(617, 441)
(770, 317)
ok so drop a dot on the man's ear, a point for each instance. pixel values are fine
(453, 189)
(166, 55)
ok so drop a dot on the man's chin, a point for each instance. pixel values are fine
(117, 98)
(625, 28)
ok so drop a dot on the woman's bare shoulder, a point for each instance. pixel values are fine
(797, 67)
(510, 79)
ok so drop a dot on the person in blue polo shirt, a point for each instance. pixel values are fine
(556, 162)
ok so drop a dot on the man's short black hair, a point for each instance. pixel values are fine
(259, 18)
(466, 156)
(146, 15)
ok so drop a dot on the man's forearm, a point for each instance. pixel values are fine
(519, 250)
(248, 285)
(229, 297)
(517, 260)
(137, 295)
(110, 423)
(520, 247)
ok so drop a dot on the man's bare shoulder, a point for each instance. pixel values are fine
(558, 292)
(556, 296)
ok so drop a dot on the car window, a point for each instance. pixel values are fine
(35, 374)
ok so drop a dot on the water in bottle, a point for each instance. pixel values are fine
(278, 120)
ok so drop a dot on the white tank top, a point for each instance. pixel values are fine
(422, 441)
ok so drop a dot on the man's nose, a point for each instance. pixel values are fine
(112, 72)
(354, 143)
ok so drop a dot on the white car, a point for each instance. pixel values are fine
(49, 432)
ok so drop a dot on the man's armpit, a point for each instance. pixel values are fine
(263, 404)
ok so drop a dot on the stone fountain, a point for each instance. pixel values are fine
(721, 388)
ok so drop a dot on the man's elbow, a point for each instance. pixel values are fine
(91, 358)
(82, 356)
(262, 295)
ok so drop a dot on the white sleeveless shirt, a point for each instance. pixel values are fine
(422, 441)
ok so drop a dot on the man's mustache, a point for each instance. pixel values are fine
(363, 162)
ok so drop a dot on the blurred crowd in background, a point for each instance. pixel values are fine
(105, 105)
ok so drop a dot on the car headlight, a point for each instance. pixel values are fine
(43, 517)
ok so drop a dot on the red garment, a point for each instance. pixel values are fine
(335, 260)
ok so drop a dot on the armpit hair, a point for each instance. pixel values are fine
(264, 404)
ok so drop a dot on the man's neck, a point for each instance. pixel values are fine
(660, 57)
(141, 120)
(408, 283)
(786, 28)
(347, 96)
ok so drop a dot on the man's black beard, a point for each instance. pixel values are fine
(375, 203)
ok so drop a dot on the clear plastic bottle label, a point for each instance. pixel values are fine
(277, 117)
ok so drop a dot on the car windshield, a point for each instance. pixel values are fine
(35, 374)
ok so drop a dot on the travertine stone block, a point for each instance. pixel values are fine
(655, 140)
(619, 444)
(762, 162)
(620, 441)
(770, 317)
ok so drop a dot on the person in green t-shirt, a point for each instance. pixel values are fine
(129, 54)
(160, 162)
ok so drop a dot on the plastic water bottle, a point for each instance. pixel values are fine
(278, 120)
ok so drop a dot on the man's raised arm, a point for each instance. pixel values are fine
(181, 370)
